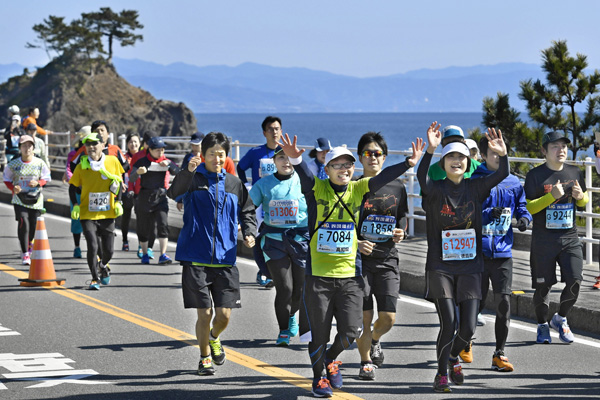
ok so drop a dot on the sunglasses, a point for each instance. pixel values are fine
(370, 153)
(345, 165)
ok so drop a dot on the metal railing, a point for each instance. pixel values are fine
(59, 144)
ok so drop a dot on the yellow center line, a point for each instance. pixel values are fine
(232, 355)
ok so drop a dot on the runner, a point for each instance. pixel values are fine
(507, 200)
(454, 258)
(451, 134)
(317, 164)
(152, 203)
(133, 146)
(214, 203)
(284, 240)
(98, 176)
(553, 190)
(334, 284)
(39, 150)
(25, 176)
(12, 134)
(382, 224)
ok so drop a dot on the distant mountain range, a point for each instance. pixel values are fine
(250, 88)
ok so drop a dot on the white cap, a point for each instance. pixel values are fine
(338, 152)
(471, 144)
(14, 109)
(457, 147)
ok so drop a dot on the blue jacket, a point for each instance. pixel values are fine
(507, 194)
(214, 204)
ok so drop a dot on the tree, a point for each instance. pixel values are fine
(115, 26)
(553, 104)
(51, 35)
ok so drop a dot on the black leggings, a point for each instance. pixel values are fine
(568, 297)
(126, 217)
(449, 341)
(289, 279)
(502, 303)
(318, 355)
(98, 231)
(147, 221)
(27, 220)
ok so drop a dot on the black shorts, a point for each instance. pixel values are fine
(381, 283)
(500, 272)
(325, 298)
(567, 252)
(204, 285)
(440, 285)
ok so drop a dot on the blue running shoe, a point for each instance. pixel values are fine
(164, 259)
(283, 339)
(105, 275)
(333, 373)
(150, 254)
(543, 333)
(77, 252)
(293, 327)
(145, 259)
(564, 332)
(321, 388)
(94, 286)
(140, 253)
(258, 277)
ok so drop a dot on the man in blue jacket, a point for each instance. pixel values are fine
(215, 202)
(507, 200)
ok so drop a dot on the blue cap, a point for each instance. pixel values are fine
(452, 130)
(156, 143)
(197, 138)
(31, 127)
(322, 144)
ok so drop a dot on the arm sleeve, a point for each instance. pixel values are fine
(537, 205)
(73, 194)
(243, 165)
(180, 184)
(424, 181)
(387, 175)
(584, 201)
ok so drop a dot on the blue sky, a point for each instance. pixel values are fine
(350, 37)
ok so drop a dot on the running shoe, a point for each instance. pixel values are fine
(466, 354)
(104, 275)
(293, 327)
(205, 367)
(258, 277)
(140, 253)
(283, 339)
(217, 352)
(77, 252)
(94, 286)
(440, 384)
(367, 371)
(564, 332)
(480, 320)
(597, 284)
(164, 259)
(321, 387)
(376, 354)
(145, 259)
(333, 373)
(125, 246)
(456, 374)
(500, 362)
(543, 333)
(269, 283)
(25, 258)
(150, 254)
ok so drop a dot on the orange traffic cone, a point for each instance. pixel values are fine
(41, 272)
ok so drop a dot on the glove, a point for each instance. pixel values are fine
(118, 209)
(496, 212)
(75, 212)
(522, 224)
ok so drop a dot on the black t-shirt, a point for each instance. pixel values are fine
(381, 212)
(557, 220)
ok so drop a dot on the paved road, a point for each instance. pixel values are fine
(133, 340)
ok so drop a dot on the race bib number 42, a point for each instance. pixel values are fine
(335, 237)
(459, 244)
(283, 212)
(559, 216)
(378, 228)
(99, 201)
(267, 167)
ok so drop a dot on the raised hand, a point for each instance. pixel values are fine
(496, 144)
(434, 136)
(558, 191)
(417, 152)
(577, 192)
(193, 163)
(289, 147)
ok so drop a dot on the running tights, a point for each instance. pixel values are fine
(568, 297)
(289, 279)
(27, 220)
(126, 218)
(100, 231)
(502, 303)
(449, 342)
(318, 355)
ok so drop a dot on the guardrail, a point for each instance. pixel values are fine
(59, 144)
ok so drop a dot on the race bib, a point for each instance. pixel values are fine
(283, 212)
(99, 201)
(267, 167)
(335, 237)
(23, 181)
(500, 225)
(459, 244)
(378, 228)
(14, 141)
(559, 216)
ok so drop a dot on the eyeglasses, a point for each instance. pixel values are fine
(371, 153)
(90, 143)
(345, 165)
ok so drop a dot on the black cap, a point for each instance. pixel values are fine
(156, 143)
(553, 136)
(197, 138)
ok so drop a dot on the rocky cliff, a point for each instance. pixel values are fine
(70, 95)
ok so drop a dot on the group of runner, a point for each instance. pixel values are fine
(328, 241)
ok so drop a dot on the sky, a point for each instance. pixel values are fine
(349, 37)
